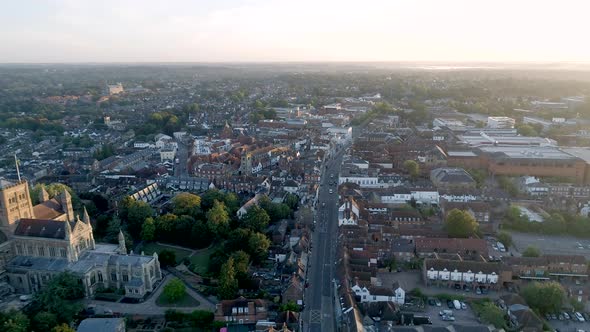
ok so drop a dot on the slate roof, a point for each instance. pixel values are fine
(52, 229)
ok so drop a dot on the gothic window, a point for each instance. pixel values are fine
(41, 251)
(113, 276)
(51, 252)
(92, 279)
(30, 250)
(125, 277)
(99, 276)
(62, 252)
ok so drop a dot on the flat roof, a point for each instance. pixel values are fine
(536, 152)
(579, 152)
(461, 154)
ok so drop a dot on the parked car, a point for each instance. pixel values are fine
(478, 291)
(431, 302)
(463, 306)
(586, 316)
(579, 317)
(446, 313)
(560, 317)
(448, 318)
(437, 301)
(450, 304)
(566, 315)
(553, 316)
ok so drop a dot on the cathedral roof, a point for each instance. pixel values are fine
(48, 210)
(47, 228)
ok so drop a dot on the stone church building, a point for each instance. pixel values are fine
(39, 241)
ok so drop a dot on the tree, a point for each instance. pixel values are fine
(174, 290)
(167, 258)
(14, 321)
(491, 314)
(137, 213)
(241, 263)
(505, 238)
(289, 306)
(292, 201)
(62, 328)
(113, 229)
(200, 234)
(201, 318)
(228, 283)
(148, 230)
(61, 296)
(527, 130)
(54, 189)
(412, 168)
(258, 245)
(218, 219)
(44, 321)
(186, 204)
(545, 297)
(256, 219)
(460, 223)
(531, 251)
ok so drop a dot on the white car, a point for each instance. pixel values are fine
(331, 191)
(579, 317)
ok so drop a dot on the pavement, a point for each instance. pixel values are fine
(551, 244)
(319, 313)
(149, 307)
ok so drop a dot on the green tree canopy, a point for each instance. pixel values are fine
(55, 189)
(61, 296)
(241, 263)
(62, 328)
(14, 321)
(505, 238)
(44, 321)
(186, 204)
(531, 251)
(167, 258)
(491, 314)
(218, 219)
(228, 283)
(258, 245)
(546, 297)
(256, 219)
(412, 168)
(174, 290)
(460, 223)
(137, 212)
(527, 130)
(148, 230)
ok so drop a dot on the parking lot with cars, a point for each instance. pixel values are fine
(569, 321)
(444, 313)
(552, 245)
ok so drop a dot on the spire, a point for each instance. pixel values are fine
(66, 204)
(43, 195)
(122, 248)
(85, 216)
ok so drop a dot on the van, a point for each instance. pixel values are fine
(457, 304)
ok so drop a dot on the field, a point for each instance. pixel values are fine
(200, 261)
(185, 301)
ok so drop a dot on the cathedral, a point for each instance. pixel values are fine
(38, 241)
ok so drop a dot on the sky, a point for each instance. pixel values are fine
(48, 31)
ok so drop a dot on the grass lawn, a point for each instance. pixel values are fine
(200, 261)
(150, 248)
(185, 301)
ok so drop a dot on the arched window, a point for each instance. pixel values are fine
(99, 276)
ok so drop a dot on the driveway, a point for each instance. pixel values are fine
(149, 307)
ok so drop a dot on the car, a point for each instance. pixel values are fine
(579, 317)
(331, 191)
(25, 298)
(547, 316)
(450, 304)
(438, 303)
(431, 302)
(553, 316)
(586, 316)
(463, 306)
(566, 315)
(448, 318)
(446, 313)
(478, 291)
(560, 317)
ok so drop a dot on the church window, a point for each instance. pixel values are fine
(30, 250)
(99, 276)
(113, 276)
(51, 252)
(62, 252)
(92, 279)
(125, 277)
(41, 251)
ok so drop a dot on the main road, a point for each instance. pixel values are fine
(319, 314)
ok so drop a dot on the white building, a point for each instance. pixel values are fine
(362, 181)
(348, 213)
(167, 154)
(380, 294)
(462, 276)
(500, 122)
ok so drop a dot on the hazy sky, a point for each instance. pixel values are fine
(293, 30)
